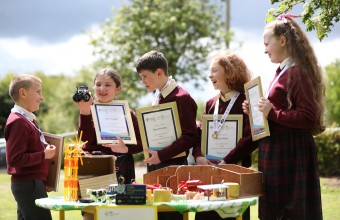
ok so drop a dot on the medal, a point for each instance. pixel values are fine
(214, 135)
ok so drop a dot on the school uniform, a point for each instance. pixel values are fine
(245, 146)
(242, 151)
(187, 110)
(26, 164)
(125, 165)
(288, 157)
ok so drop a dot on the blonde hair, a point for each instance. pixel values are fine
(300, 50)
(24, 81)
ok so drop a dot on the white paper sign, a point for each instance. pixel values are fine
(127, 213)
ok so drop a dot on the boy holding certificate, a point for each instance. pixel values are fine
(228, 74)
(153, 70)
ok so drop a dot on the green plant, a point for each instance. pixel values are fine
(328, 146)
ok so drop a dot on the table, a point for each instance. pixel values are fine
(227, 208)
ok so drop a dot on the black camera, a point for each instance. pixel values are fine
(82, 94)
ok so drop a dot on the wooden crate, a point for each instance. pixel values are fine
(250, 180)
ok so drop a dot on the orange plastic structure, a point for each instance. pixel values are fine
(73, 152)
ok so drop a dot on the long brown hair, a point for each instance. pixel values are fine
(300, 50)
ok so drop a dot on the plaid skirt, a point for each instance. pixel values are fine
(291, 187)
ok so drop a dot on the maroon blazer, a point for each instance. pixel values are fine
(24, 151)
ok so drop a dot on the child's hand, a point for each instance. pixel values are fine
(50, 151)
(245, 107)
(222, 162)
(203, 161)
(154, 159)
(119, 147)
(264, 106)
(85, 107)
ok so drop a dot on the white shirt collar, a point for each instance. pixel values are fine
(285, 62)
(168, 89)
(227, 96)
(30, 115)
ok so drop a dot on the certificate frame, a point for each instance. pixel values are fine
(167, 112)
(258, 123)
(121, 116)
(54, 164)
(207, 135)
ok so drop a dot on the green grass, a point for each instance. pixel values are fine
(330, 201)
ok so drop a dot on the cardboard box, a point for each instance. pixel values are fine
(96, 172)
(250, 181)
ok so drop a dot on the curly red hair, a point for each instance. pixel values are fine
(236, 71)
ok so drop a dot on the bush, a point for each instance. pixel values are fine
(328, 146)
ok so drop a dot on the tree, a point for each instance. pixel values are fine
(319, 15)
(333, 92)
(185, 31)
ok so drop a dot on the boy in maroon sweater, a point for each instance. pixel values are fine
(26, 154)
(153, 70)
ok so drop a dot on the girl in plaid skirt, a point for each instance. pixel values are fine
(294, 108)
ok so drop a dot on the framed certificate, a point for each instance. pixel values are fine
(217, 147)
(112, 120)
(159, 126)
(258, 123)
(54, 164)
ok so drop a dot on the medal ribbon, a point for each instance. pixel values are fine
(277, 78)
(218, 125)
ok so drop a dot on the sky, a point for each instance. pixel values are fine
(52, 36)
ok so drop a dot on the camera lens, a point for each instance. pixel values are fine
(77, 97)
(86, 97)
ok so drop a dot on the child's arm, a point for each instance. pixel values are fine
(303, 113)
(23, 151)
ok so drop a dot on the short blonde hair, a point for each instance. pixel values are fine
(21, 81)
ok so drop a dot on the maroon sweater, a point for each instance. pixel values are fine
(89, 134)
(24, 151)
(245, 146)
(302, 116)
(187, 110)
